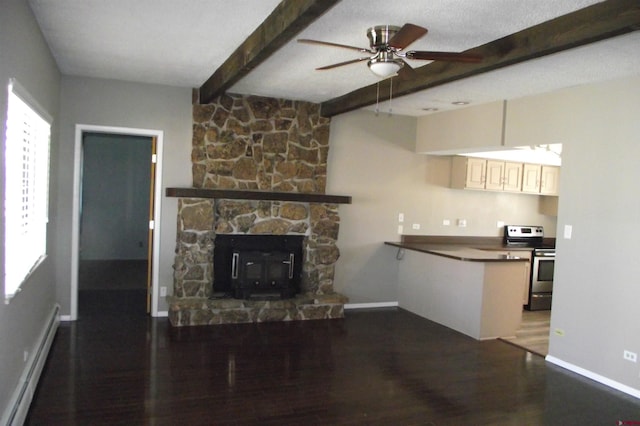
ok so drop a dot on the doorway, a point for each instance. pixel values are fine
(116, 205)
(114, 217)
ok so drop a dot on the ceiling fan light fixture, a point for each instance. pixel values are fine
(384, 67)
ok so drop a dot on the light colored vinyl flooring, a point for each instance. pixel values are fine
(533, 334)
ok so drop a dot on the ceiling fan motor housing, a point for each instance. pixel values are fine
(380, 35)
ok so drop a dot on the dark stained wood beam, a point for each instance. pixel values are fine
(591, 24)
(285, 22)
(234, 194)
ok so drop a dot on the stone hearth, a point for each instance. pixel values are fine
(260, 145)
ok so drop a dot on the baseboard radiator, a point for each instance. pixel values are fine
(18, 408)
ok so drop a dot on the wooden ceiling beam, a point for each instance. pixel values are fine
(591, 24)
(283, 24)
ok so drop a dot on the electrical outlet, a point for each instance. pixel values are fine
(163, 291)
(400, 229)
(400, 217)
(446, 222)
(500, 224)
(462, 223)
(630, 356)
(415, 226)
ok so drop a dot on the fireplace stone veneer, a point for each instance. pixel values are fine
(201, 220)
(243, 147)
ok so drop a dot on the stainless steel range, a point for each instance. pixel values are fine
(542, 263)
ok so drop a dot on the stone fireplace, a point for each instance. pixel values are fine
(259, 169)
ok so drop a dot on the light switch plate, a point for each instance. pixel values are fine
(568, 230)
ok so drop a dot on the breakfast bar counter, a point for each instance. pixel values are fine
(477, 292)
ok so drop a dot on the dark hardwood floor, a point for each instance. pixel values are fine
(112, 274)
(117, 366)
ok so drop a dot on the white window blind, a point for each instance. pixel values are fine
(26, 187)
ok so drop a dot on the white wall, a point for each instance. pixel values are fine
(131, 105)
(25, 56)
(373, 159)
(596, 287)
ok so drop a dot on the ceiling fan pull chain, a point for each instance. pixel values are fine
(390, 93)
(377, 97)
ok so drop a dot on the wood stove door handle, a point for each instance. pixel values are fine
(234, 265)
(290, 262)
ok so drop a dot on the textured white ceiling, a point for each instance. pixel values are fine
(181, 43)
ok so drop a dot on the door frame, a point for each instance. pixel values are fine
(75, 214)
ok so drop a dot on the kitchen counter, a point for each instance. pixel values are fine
(471, 284)
(469, 254)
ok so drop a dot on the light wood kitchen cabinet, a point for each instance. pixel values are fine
(468, 172)
(480, 173)
(503, 176)
(497, 175)
(549, 179)
(531, 178)
(512, 177)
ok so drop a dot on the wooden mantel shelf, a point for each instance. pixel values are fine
(257, 195)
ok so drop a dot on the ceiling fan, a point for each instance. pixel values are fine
(386, 51)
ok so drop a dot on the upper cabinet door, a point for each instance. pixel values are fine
(550, 177)
(531, 178)
(468, 172)
(476, 173)
(512, 177)
(495, 175)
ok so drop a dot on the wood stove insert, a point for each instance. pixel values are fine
(253, 266)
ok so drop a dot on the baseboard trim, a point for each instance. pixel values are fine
(594, 376)
(18, 407)
(371, 305)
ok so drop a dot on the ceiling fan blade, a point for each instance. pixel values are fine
(406, 72)
(339, 64)
(443, 56)
(407, 35)
(327, 43)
